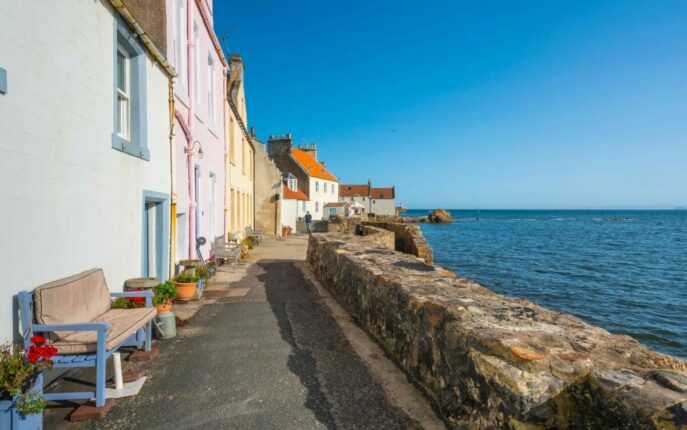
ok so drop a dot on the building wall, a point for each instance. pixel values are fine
(241, 178)
(207, 129)
(319, 197)
(267, 192)
(73, 202)
(291, 211)
(365, 201)
(383, 206)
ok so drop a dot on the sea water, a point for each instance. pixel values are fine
(625, 271)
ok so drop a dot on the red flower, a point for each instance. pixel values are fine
(38, 340)
(33, 357)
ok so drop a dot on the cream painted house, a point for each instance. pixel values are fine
(240, 154)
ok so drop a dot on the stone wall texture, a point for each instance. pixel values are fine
(267, 189)
(152, 17)
(491, 362)
(408, 237)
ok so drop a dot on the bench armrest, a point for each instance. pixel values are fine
(147, 294)
(100, 327)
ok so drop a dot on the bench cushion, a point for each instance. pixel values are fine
(124, 322)
(76, 299)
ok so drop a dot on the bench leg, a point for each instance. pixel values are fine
(149, 336)
(100, 378)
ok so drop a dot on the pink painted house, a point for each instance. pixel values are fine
(199, 167)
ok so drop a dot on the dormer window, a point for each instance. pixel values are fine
(292, 182)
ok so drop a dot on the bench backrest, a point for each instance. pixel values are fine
(76, 299)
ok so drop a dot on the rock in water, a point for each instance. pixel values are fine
(440, 216)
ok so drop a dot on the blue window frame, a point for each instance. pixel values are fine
(129, 93)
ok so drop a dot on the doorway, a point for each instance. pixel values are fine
(155, 236)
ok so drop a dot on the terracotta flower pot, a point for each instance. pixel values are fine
(164, 307)
(185, 290)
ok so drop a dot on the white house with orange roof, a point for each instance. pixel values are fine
(307, 181)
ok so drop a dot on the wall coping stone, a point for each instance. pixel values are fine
(491, 361)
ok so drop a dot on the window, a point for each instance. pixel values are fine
(243, 156)
(292, 182)
(180, 52)
(211, 90)
(123, 93)
(232, 149)
(317, 186)
(325, 187)
(129, 128)
(363, 198)
(196, 63)
(332, 211)
(317, 206)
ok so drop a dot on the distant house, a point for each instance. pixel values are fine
(377, 201)
(312, 184)
(337, 209)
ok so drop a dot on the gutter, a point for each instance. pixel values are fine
(208, 26)
(147, 42)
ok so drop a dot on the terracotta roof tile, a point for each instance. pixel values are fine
(312, 166)
(290, 194)
(382, 193)
(354, 190)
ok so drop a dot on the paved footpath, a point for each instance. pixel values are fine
(272, 358)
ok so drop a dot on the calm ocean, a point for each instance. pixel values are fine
(625, 271)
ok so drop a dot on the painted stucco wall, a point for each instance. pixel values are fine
(290, 212)
(318, 195)
(357, 199)
(383, 206)
(70, 201)
(208, 131)
(241, 176)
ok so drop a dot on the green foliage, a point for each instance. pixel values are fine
(202, 272)
(30, 402)
(248, 242)
(164, 292)
(127, 303)
(186, 278)
(212, 263)
(15, 371)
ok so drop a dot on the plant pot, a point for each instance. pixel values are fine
(185, 290)
(12, 419)
(164, 307)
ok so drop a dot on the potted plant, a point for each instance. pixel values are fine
(163, 296)
(21, 384)
(186, 284)
(203, 274)
(129, 302)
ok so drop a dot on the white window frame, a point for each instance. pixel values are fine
(325, 187)
(317, 186)
(196, 63)
(180, 52)
(124, 96)
(212, 111)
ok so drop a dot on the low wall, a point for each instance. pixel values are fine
(408, 238)
(490, 361)
(380, 236)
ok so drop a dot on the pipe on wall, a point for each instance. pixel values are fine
(190, 45)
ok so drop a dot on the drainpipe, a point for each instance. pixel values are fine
(172, 190)
(226, 152)
(190, 42)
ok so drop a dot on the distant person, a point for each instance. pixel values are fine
(308, 222)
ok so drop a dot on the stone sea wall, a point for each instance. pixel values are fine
(490, 361)
(408, 238)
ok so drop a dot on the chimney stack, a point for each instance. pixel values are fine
(279, 144)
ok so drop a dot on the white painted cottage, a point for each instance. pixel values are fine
(84, 144)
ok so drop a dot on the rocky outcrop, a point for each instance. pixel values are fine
(490, 361)
(440, 216)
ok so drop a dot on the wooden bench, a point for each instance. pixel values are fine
(75, 316)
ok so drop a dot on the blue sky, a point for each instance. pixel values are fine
(464, 104)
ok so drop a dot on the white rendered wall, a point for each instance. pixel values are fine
(383, 206)
(70, 201)
(290, 212)
(321, 197)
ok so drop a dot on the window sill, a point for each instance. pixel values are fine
(127, 147)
